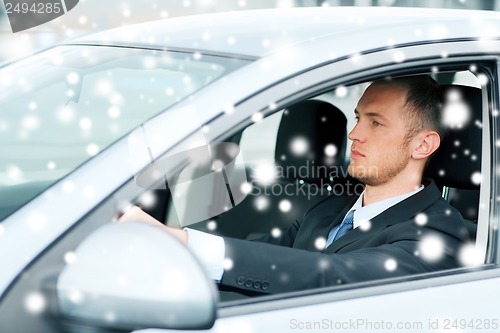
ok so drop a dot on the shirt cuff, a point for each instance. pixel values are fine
(209, 250)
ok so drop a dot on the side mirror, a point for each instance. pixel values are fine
(134, 275)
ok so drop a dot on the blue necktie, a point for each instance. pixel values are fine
(344, 228)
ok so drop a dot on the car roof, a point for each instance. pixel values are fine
(257, 33)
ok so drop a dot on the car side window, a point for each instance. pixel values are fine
(268, 214)
(258, 141)
(282, 182)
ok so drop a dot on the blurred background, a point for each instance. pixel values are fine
(96, 15)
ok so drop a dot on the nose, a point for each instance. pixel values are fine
(356, 134)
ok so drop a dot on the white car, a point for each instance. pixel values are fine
(186, 118)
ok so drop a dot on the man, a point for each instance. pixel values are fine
(400, 225)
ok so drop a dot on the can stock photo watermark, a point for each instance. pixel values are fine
(26, 14)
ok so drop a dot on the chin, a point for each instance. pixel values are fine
(363, 175)
(357, 171)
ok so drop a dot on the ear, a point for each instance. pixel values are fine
(426, 143)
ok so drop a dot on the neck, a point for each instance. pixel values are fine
(399, 185)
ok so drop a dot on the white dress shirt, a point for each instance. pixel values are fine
(366, 213)
(210, 249)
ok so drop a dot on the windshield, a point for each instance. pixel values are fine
(63, 106)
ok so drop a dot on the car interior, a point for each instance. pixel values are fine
(305, 179)
(301, 180)
(310, 126)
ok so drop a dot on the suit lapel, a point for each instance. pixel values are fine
(330, 219)
(402, 211)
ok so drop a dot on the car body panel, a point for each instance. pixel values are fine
(238, 33)
(421, 310)
(300, 50)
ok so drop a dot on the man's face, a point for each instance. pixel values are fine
(379, 150)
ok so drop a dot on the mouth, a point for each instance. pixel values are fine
(356, 154)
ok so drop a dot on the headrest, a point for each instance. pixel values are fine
(311, 140)
(457, 161)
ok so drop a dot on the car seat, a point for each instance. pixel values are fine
(456, 165)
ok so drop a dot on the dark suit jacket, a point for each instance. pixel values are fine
(292, 261)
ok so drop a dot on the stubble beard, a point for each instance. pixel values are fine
(381, 172)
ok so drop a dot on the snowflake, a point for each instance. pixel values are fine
(92, 149)
(104, 87)
(264, 173)
(330, 150)
(390, 265)
(257, 117)
(228, 264)
(261, 203)
(30, 122)
(398, 56)
(75, 296)
(284, 278)
(228, 108)
(365, 225)
(476, 178)
(320, 243)
(469, 255)
(456, 113)
(110, 316)
(147, 199)
(285, 206)
(356, 59)
(421, 219)
(14, 172)
(217, 165)
(299, 146)
(431, 248)
(70, 257)
(211, 225)
(114, 112)
(323, 264)
(341, 91)
(246, 188)
(68, 186)
(276, 232)
(73, 78)
(85, 124)
(35, 303)
(482, 79)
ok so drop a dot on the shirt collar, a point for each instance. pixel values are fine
(366, 213)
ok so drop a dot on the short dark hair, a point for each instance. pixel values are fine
(423, 103)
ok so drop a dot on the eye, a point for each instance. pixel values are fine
(376, 123)
(356, 118)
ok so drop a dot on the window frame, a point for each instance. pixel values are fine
(311, 86)
(379, 65)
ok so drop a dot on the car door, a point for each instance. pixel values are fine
(459, 299)
(375, 305)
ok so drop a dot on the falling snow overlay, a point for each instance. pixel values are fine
(89, 132)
